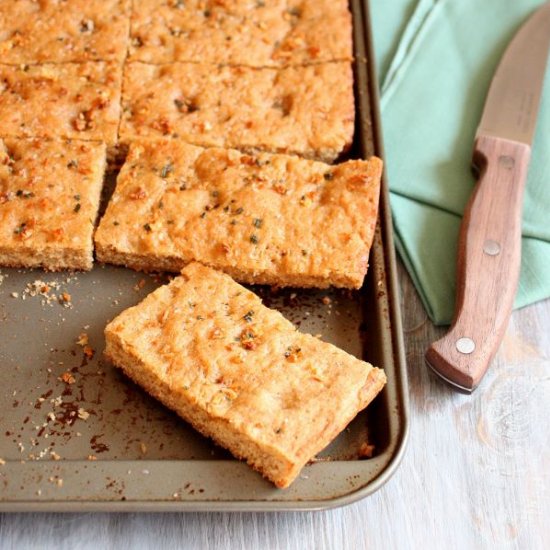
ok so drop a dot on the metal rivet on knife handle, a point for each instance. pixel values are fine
(507, 161)
(465, 345)
(491, 248)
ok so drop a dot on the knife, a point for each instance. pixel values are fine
(489, 248)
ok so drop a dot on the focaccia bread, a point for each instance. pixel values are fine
(241, 32)
(239, 372)
(308, 111)
(71, 100)
(268, 219)
(49, 198)
(61, 31)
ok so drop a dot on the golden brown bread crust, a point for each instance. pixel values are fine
(239, 372)
(241, 32)
(49, 198)
(60, 31)
(269, 219)
(308, 111)
(71, 100)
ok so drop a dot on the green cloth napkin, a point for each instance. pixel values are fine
(436, 59)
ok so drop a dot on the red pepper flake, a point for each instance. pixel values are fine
(162, 124)
(292, 354)
(139, 285)
(138, 194)
(247, 339)
(366, 450)
(88, 352)
(249, 160)
(68, 378)
(314, 51)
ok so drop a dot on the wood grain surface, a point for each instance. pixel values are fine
(476, 473)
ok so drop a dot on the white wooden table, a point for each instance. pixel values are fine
(476, 473)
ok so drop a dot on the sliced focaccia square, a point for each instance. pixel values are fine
(308, 111)
(60, 31)
(267, 219)
(71, 100)
(239, 372)
(241, 32)
(49, 199)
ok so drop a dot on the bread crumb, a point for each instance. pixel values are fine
(68, 378)
(139, 285)
(82, 339)
(366, 450)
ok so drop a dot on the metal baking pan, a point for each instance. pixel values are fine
(77, 435)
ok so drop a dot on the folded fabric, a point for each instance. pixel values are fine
(437, 59)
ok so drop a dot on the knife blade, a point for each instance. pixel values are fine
(489, 248)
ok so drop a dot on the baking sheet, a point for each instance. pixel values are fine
(77, 435)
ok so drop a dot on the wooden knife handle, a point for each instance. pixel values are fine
(489, 253)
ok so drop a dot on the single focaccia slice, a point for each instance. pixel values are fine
(59, 31)
(266, 219)
(49, 198)
(241, 32)
(239, 372)
(308, 111)
(69, 100)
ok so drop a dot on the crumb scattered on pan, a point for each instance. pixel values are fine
(92, 457)
(56, 480)
(366, 450)
(68, 378)
(139, 285)
(2, 462)
(82, 339)
(50, 292)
